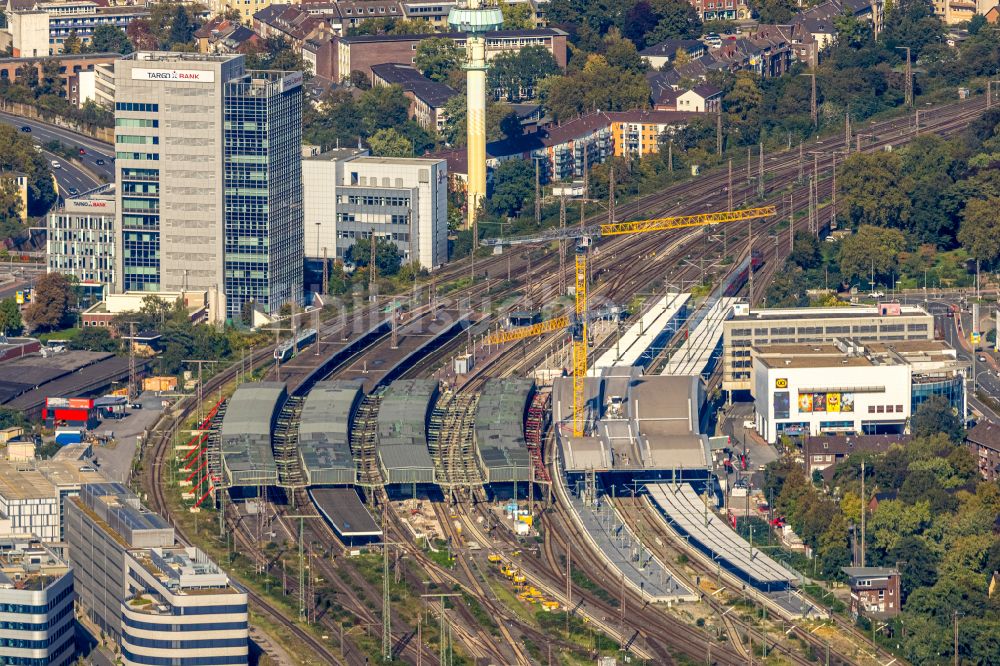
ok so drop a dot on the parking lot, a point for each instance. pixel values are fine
(115, 461)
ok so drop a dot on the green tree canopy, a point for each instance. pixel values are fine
(10, 317)
(390, 143)
(870, 248)
(388, 258)
(517, 15)
(514, 74)
(182, 27)
(94, 338)
(437, 57)
(980, 229)
(513, 188)
(109, 39)
(597, 87)
(805, 250)
(51, 301)
(72, 43)
(870, 189)
(936, 415)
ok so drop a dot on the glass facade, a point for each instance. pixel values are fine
(950, 388)
(263, 228)
(140, 229)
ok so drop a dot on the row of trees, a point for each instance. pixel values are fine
(939, 529)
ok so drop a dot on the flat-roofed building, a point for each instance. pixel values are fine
(887, 322)
(36, 599)
(851, 387)
(40, 28)
(81, 237)
(161, 602)
(349, 196)
(32, 493)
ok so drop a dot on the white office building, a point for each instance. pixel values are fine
(81, 237)
(349, 195)
(851, 387)
(36, 606)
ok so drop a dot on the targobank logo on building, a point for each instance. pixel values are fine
(195, 75)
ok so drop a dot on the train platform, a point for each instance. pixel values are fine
(403, 417)
(702, 348)
(246, 434)
(343, 509)
(324, 435)
(499, 430)
(643, 340)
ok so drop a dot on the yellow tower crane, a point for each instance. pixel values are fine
(578, 323)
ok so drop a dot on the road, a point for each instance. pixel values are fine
(70, 175)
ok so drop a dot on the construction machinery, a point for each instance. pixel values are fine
(577, 324)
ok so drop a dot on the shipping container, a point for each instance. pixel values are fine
(64, 437)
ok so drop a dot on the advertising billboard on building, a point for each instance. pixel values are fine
(782, 404)
(831, 403)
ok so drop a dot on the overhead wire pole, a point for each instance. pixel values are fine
(908, 84)
(718, 132)
(813, 109)
(303, 612)
(760, 171)
(538, 194)
(132, 392)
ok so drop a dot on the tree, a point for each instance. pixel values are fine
(50, 80)
(51, 302)
(621, 53)
(870, 248)
(517, 16)
(514, 74)
(513, 187)
(979, 232)
(976, 24)
(10, 210)
(181, 27)
(140, 34)
(10, 317)
(787, 290)
(774, 11)
(388, 258)
(936, 415)
(870, 189)
(920, 569)
(454, 132)
(72, 43)
(94, 338)
(11, 418)
(437, 57)
(678, 19)
(383, 107)
(852, 32)
(390, 143)
(510, 126)
(742, 107)
(597, 87)
(805, 251)
(911, 23)
(640, 21)
(276, 53)
(112, 39)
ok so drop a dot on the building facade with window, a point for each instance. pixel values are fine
(161, 602)
(350, 196)
(209, 172)
(884, 323)
(850, 387)
(81, 237)
(40, 28)
(36, 604)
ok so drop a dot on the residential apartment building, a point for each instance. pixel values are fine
(562, 150)
(721, 10)
(40, 28)
(349, 195)
(36, 600)
(875, 592)
(657, 55)
(984, 441)
(80, 238)
(209, 168)
(702, 98)
(360, 52)
(161, 602)
(819, 22)
(427, 98)
(298, 23)
(70, 66)
(885, 323)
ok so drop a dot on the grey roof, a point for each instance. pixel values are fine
(344, 510)
(539, 32)
(125, 516)
(325, 432)
(402, 429)
(247, 456)
(434, 94)
(669, 47)
(869, 572)
(499, 429)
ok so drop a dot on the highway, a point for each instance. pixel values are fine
(70, 175)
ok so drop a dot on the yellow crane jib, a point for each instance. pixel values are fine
(681, 222)
(522, 332)
(580, 340)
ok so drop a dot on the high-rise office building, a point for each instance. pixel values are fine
(209, 174)
(162, 602)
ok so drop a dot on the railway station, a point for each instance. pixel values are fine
(403, 457)
(245, 436)
(499, 431)
(646, 339)
(344, 511)
(701, 350)
(325, 433)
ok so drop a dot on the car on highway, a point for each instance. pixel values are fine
(56, 165)
(82, 151)
(876, 294)
(99, 162)
(25, 128)
(73, 191)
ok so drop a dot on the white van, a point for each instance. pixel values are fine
(56, 165)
